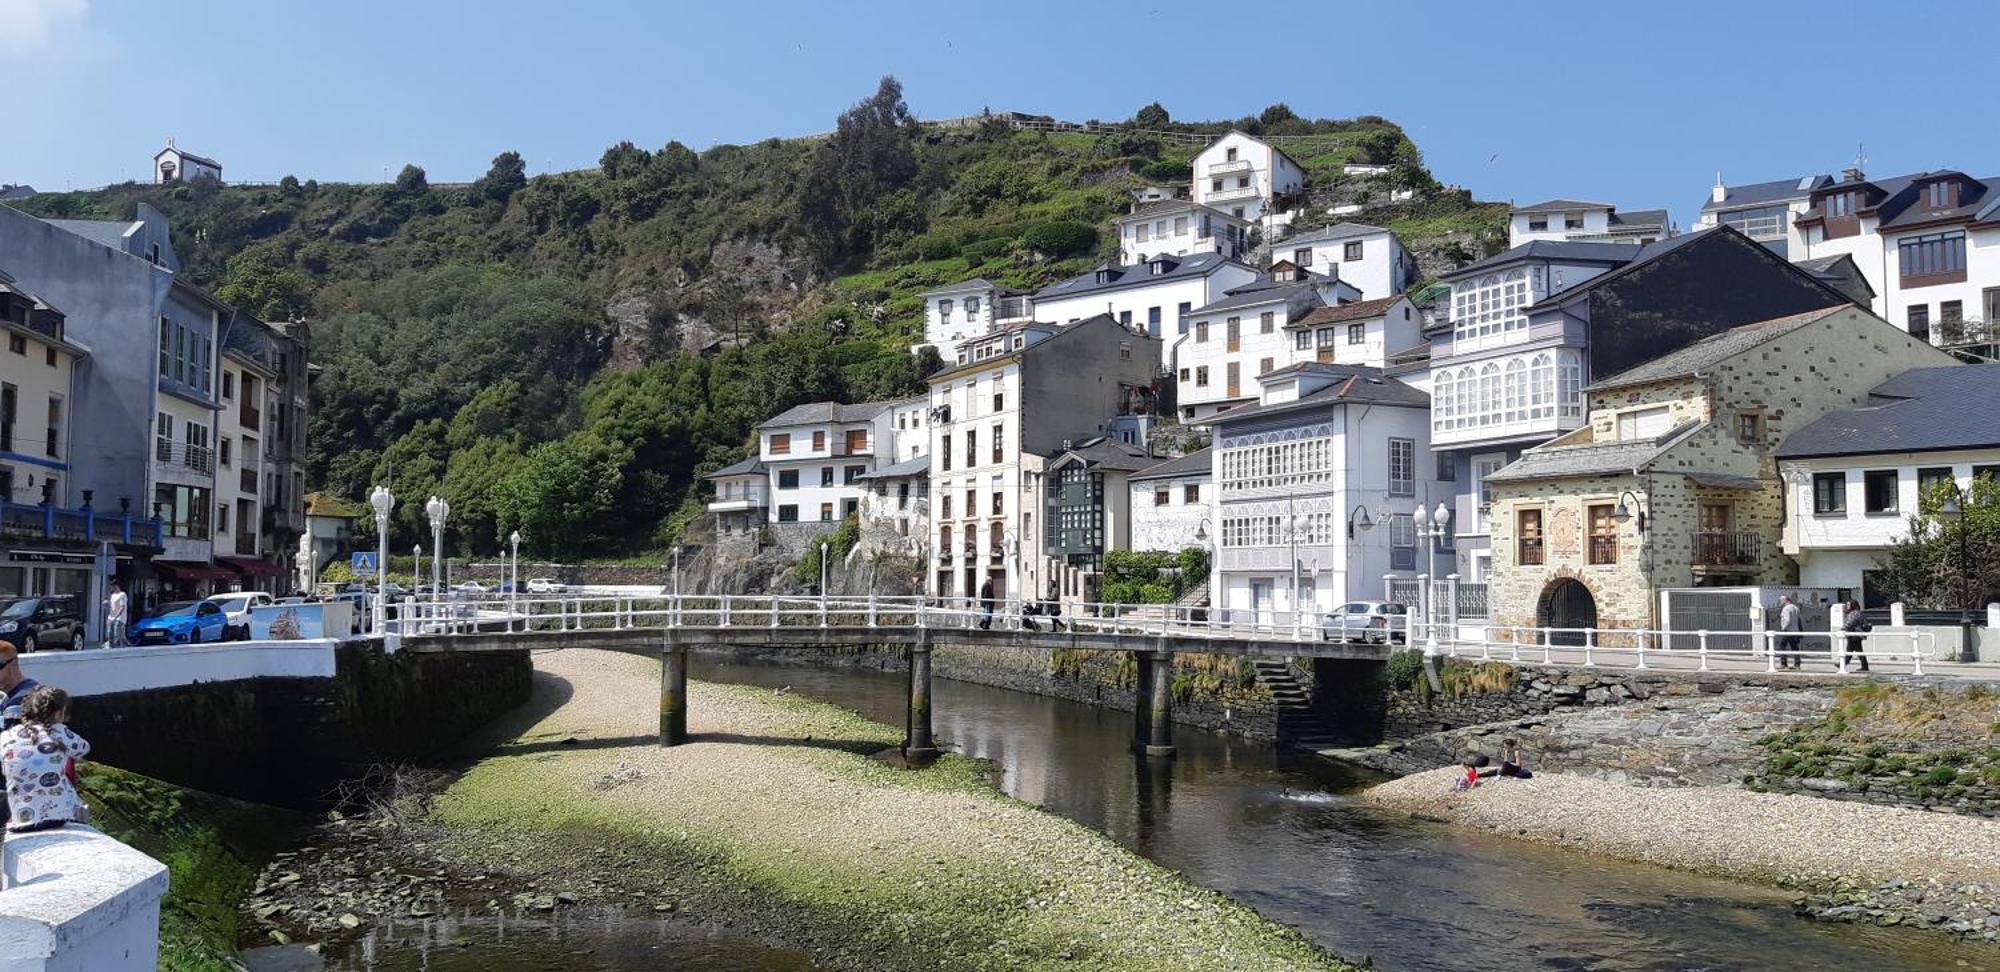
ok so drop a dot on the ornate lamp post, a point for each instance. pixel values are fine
(438, 509)
(383, 501)
(1432, 526)
(514, 577)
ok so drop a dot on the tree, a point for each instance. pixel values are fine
(1153, 117)
(411, 180)
(563, 497)
(870, 155)
(1277, 114)
(1946, 563)
(507, 176)
(262, 283)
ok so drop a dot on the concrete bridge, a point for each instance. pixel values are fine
(637, 627)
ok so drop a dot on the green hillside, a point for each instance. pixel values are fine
(567, 353)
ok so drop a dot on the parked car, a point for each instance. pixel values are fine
(237, 606)
(182, 623)
(470, 587)
(1375, 622)
(32, 623)
(545, 585)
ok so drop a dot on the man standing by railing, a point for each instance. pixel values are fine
(117, 609)
(1788, 643)
(986, 605)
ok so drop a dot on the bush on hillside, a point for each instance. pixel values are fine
(1061, 238)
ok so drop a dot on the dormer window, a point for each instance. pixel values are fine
(1572, 221)
(1840, 204)
(1942, 194)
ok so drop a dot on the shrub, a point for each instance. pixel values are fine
(937, 247)
(1404, 669)
(1167, 171)
(985, 250)
(1061, 238)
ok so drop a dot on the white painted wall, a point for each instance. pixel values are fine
(1834, 548)
(75, 900)
(105, 671)
(1382, 270)
(1198, 399)
(1172, 526)
(1879, 259)
(1179, 233)
(1135, 303)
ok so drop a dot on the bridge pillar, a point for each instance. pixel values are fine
(673, 693)
(919, 744)
(1160, 737)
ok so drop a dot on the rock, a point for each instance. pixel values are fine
(565, 897)
(1824, 784)
(350, 920)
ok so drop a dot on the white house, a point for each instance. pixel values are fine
(1153, 298)
(968, 309)
(1369, 257)
(1315, 487)
(986, 448)
(742, 502)
(177, 165)
(1928, 243)
(1595, 222)
(1363, 332)
(816, 454)
(1242, 335)
(895, 504)
(1177, 227)
(1853, 477)
(1172, 504)
(1242, 176)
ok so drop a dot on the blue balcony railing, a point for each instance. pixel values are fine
(84, 525)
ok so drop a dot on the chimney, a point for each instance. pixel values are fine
(1850, 175)
(1719, 193)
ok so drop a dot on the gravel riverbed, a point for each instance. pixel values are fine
(776, 823)
(1852, 862)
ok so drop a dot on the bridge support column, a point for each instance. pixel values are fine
(1160, 735)
(919, 744)
(673, 693)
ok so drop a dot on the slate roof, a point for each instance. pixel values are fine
(1107, 453)
(1594, 459)
(1904, 203)
(1712, 350)
(1358, 384)
(16, 192)
(1646, 254)
(1338, 231)
(190, 156)
(1265, 291)
(820, 413)
(1763, 193)
(1159, 206)
(748, 467)
(1195, 463)
(913, 466)
(1554, 250)
(1920, 410)
(976, 283)
(1359, 310)
(1561, 205)
(1640, 217)
(1188, 267)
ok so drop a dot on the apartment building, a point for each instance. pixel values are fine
(1369, 257)
(1854, 477)
(1172, 504)
(1529, 328)
(1673, 480)
(1088, 512)
(1572, 220)
(1243, 335)
(1179, 227)
(987, 452)
(1363, 332)
(1153, 298)
(1316, 487)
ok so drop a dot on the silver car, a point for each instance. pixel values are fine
(1373, 622)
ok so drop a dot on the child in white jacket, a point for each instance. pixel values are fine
(38, 757)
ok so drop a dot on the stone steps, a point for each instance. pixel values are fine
(1298, 726)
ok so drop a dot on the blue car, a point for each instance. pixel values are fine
(182, 623)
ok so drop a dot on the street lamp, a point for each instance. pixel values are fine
(438, 509)
(823, 553)
(1624, 514)
(1432, 527)
(1361, 522)
(514, 586)
(383, 501)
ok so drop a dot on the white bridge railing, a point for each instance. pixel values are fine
(1896, 651)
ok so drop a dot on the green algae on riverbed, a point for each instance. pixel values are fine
(775, 821)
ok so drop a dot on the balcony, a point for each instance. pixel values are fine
(251, 418)
(1728, 550)
(196, 458)
(1227, 168)
(1231, 194)
(740, 499)
(40, 522)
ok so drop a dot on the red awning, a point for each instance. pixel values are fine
(250, 567)
(186, 570)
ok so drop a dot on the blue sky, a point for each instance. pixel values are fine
(1633, 103)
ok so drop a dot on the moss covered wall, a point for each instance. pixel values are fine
(288, 741)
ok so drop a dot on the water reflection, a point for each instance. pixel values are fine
(1286, 838)
(567, 940)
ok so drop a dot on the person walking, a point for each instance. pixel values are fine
(986, 605)
(1788, 641)
(15, 683)
(1856, 625)
(38, 758)
(117, 610)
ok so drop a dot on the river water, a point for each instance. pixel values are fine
(1286, 837)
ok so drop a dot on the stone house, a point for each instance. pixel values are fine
(1673, 481)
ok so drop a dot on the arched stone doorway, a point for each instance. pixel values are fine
(1566, 603)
